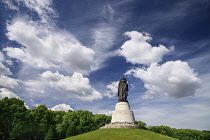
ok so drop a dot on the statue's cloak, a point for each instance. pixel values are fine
(122, 89)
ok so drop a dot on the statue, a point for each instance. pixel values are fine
(122, 90)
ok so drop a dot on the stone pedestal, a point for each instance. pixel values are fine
(122, 117)
(123, 114)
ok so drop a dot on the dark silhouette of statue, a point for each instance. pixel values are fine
(122, 90)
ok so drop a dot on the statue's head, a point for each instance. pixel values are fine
(123, 79)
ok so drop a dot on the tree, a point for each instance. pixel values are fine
(70, 121)
(86, 122)
(50, 134)
(12, 117)
(71, 131)
(100, 120)
(141, 124)
(18, 122)
(42, 119)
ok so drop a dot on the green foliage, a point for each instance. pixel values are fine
(71, 131)
(181, 134)
(50, 134)
(141, 124)
(12, 117)
(17, 122)
(100, 120)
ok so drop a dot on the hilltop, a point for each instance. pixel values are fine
(122, 134)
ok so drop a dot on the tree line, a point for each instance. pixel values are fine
(181, 134)
(39, 123)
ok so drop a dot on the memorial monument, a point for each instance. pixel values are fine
(122, 116)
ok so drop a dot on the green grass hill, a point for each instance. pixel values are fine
(120, 134)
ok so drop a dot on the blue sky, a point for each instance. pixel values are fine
(71, 55)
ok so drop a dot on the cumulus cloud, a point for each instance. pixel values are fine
(46, 48)
(173, 78)
(36, 86)
(9, 83)
(43, 44)
(113, 89)
(3, 69)
(7, 93)
(6, 81)
(138, 50)
(62, 107)
(76, 85)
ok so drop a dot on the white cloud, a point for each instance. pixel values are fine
(103, 40)
(197, 113)
(173, 78)
(3, 69)
(32, 100)
(203, 92)
(9, 4)
(176, 116)
(36, 86)
(104, 36)
(143, 104)
(7, 93)
(46, 48)
(137, 50)
(108, 13)
(76, 85)
(113, 89)
(1, 57)
(9, 62)
(16, 53)
(9, 83)
(147, 96)
(106, 112)
(62, 107)
(43, 8)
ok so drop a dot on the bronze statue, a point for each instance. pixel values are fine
(122, 90)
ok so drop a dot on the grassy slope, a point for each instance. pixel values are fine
(120, 134)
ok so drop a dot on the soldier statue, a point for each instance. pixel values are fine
(122, 90)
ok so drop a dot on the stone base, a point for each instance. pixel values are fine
(121, 125)
(122, 114)
(122, 117)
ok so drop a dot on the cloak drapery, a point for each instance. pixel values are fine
(122, 89)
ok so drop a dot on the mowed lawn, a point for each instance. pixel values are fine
(120, 134)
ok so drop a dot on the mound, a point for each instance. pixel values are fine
(120, 134)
